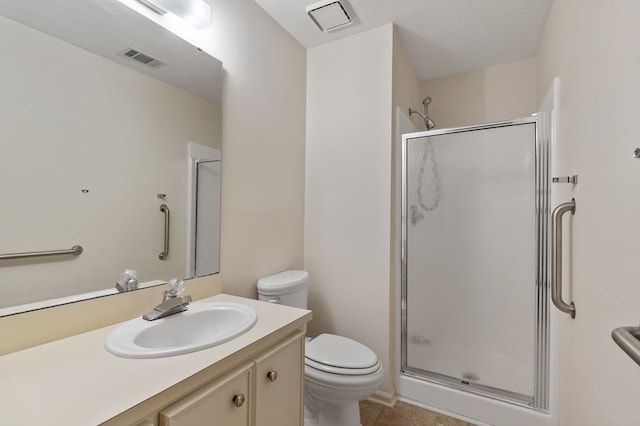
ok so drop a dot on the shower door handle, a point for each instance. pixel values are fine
(556, 258)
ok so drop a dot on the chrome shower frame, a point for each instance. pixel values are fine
(540, 400)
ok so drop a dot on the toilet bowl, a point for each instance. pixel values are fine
(339, 372)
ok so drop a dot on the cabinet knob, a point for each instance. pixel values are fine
(238, 400)
(272, 375)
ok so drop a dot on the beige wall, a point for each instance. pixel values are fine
(263, 147)
(592, 47)
(480, 96)
(407, 87)
(348, 189)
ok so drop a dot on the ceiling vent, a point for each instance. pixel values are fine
(143, 58)
(330, 15)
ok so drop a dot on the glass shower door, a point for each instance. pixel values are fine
(471, 265)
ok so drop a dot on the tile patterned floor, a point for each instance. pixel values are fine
(372, 414)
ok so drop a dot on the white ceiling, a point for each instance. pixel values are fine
(441, 36)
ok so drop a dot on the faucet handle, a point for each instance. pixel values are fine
(128, 281)
(174, 288)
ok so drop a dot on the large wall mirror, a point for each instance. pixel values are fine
(94, 143)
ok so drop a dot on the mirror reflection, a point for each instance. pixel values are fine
(91, 150)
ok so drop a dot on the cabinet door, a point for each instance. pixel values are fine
(279, 385)
(224, 402)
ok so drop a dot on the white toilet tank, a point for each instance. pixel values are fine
(287, 288)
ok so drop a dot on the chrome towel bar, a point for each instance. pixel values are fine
(627, 339)
(164, 209)
(556, 259)
(75, 250)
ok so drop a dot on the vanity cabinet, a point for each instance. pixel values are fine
(265, 390)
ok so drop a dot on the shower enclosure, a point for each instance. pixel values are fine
(473, 311)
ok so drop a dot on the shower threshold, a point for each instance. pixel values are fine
(502, 395)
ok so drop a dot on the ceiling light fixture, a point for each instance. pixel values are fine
(330, 15)
(197, 13)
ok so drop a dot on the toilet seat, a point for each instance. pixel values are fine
(340, 355)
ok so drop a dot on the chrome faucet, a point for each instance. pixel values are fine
(170, 305)
(171, 302)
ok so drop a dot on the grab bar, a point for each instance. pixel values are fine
(627, 339)
(164, 209)
(556, 259)
(75, 250)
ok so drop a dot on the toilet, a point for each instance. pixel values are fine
(338, 371)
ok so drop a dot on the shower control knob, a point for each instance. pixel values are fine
(238, 400)
(272, 375)
(636, 153)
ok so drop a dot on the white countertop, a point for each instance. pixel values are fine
(75, 381)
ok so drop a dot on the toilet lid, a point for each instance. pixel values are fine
(340, 355)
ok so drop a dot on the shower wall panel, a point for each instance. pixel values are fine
(470, 257)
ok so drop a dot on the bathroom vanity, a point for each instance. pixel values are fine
(254, 379)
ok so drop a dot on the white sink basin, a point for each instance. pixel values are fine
(202, 326)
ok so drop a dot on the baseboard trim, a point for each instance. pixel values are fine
(384, 398)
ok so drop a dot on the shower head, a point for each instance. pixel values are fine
(428, 122)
